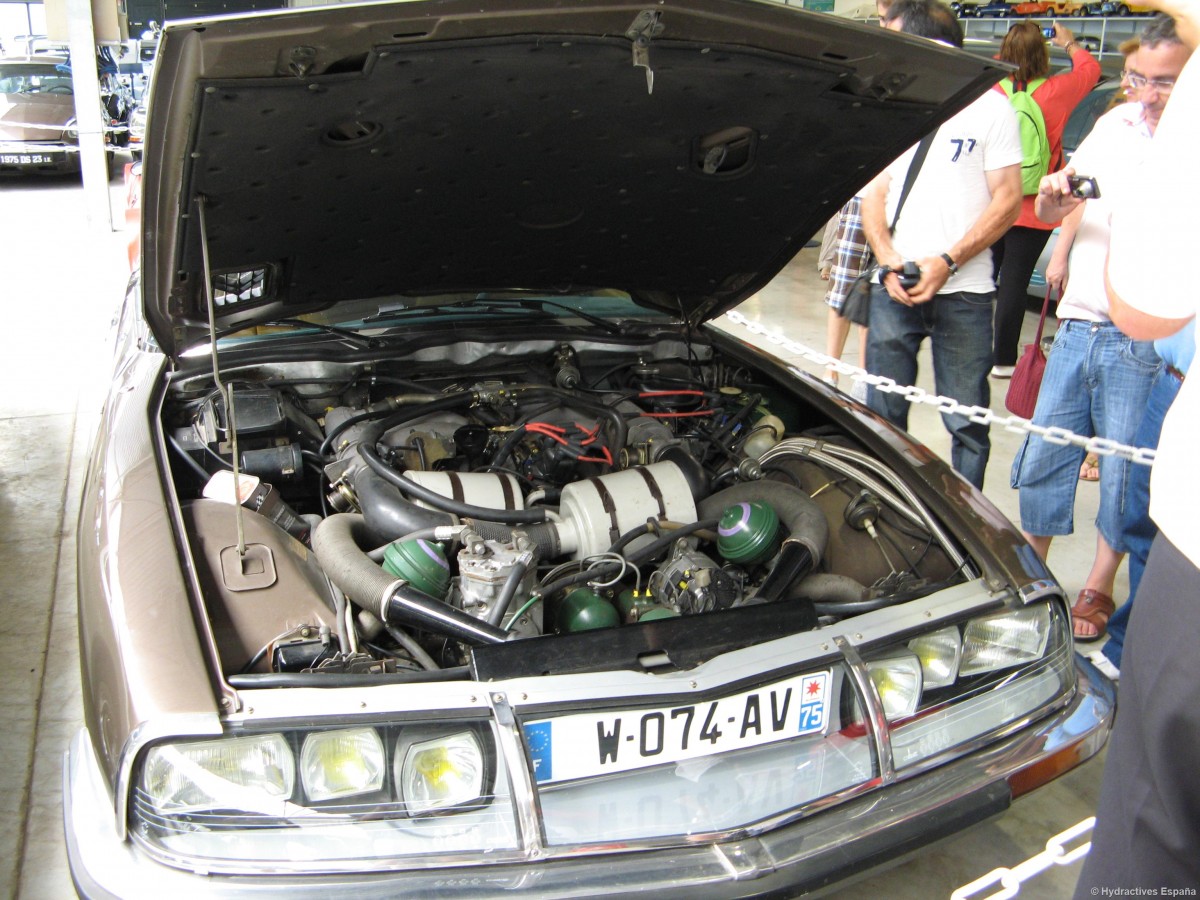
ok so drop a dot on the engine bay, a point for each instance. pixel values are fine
(400, 513)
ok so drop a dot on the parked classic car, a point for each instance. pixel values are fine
(998, 9)
(1074, 8)
(1119, 8)
(433, 542)
(1035, 8)
(37, 115)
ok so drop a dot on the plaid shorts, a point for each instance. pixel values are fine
(850, 256)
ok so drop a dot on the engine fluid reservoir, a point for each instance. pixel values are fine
(585, 610)
(421, 563)
(748, 532)
(487, 489)
(597, 511)
(764, 435)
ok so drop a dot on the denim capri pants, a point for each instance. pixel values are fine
(1096, 383)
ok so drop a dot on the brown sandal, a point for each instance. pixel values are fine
(1090, 470)
(1093, 607)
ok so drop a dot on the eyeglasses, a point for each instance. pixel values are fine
(1139, 82)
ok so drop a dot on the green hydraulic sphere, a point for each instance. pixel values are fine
(421, 563)
(642, 607)
(585, 610)
(748, 532)
(650, 613)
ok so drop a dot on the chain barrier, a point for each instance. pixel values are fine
(980, 415)
(1010, 880)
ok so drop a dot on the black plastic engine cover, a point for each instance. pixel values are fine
(680, 643)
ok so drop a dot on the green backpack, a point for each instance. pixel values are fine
(1035, 145)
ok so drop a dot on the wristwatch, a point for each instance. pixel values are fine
(950, 263)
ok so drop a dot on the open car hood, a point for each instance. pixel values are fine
(682, 151)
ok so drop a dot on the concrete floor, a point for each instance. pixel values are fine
(60, 284)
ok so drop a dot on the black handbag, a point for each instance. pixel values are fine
(857, 305)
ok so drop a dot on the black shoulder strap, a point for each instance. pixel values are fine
(914, 169)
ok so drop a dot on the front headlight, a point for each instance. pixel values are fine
(939, 654)
(71, 132)
(324, 797)
(1005, 639)
(441, 773)
(987, 673)
(244, 772)
(342, 763)
(897, 679)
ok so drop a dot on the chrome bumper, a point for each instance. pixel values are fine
(806, 855)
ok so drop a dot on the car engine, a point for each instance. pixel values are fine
(390, 516)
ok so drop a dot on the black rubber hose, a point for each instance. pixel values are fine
(693, 473)
(795, 561)
(543, 536)
(336, 544)
(466, 510)
(843, 608)
(390, 516)
(507, 592)
(408, 604)
(186, 458)
(854, 607)
(825, 587)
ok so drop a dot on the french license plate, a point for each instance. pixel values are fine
(584, 745)
(25, 159)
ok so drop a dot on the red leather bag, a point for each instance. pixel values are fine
(1021, 399)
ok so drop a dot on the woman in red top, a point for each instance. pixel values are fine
(1015, 254)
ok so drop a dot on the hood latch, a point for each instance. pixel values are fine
(645, 28)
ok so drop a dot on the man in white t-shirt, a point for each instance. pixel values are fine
(1147, 836)
(966, 194)
(1097, 379)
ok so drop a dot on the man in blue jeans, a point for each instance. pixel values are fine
(966, 194)
(1176, 353)
(1097, 379)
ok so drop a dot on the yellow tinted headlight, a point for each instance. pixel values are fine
(897, 679)
(440, 773)
(342, 763)
(939, 654)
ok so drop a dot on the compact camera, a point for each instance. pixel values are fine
(909, 274)
(1083, 187)
(1048, 31)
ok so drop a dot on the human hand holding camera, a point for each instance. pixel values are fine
(913, 282)
(1059, 193)
(1060, 35)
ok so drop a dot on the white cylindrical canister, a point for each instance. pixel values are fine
(494, 490)
(596, 511)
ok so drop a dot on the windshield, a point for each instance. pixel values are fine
(34, 79)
